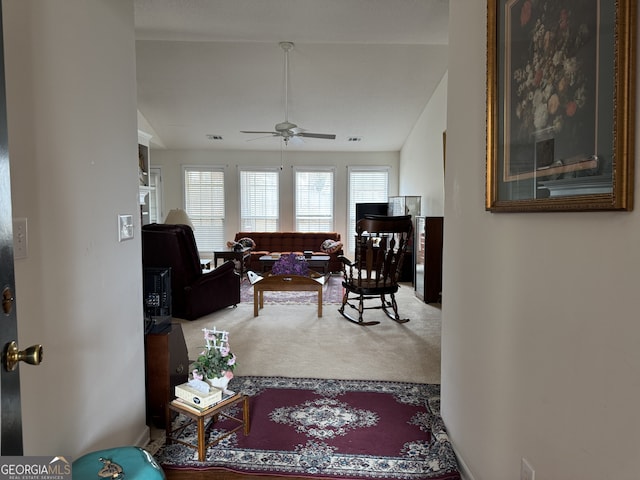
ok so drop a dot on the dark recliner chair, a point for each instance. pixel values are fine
(193, 293)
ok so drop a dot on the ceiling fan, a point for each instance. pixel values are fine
(286, 129)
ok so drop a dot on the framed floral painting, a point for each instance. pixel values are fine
(560, 105)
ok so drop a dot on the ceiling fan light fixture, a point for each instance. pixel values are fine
(285, 126)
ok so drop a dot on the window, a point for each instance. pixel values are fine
(259, 200)
(366, 184)
(204, 203)
(155, 195)
(314, 200)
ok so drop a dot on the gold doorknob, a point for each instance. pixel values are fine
(32, 355)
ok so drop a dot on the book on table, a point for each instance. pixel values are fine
(227, 397)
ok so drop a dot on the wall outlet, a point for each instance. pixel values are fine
(19, 238)
(526, 471)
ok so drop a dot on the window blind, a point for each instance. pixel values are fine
(204, 203)
(314, 200)
(365, 185)
(259, 200)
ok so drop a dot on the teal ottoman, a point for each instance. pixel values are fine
(126, 463)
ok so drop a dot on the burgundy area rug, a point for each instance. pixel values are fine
(331, 293)
(347, 429)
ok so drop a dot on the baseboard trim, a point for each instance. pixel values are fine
(465, 473)
(144, 438)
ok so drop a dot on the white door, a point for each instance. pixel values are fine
(10, 410)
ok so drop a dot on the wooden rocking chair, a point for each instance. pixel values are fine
(381, 244)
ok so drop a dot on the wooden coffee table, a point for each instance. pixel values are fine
(286, 283)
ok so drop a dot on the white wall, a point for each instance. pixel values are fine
(540, 325)
(171, 162)
(421, 158)
(145, 126)
(70, 70)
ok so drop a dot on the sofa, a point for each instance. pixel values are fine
(193, 293)
(293, 242)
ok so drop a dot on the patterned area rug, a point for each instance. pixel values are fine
(347, 429)
(331, 293)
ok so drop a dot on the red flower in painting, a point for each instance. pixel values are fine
(538, 78)
(571, 108)
(525, 13)
(564, 19)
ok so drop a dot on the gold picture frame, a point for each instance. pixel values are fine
(560, 105)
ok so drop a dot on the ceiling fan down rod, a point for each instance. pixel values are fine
(287, 47)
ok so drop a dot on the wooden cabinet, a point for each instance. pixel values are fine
(418, 281)
(167, 365)
(428, 271)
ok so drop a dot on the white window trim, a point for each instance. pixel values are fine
(212, 168)
(360, 168)
(159, 193)
(325, 168)
(249, 168)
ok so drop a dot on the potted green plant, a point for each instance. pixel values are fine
(216, 363)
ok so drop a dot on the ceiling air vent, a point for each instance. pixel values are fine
(214, 137)
(354, 139)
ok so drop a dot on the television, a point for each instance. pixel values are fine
(157, 299)
(372, 208)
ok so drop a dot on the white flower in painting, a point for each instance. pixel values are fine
(558, 122)
(558, 58)
(570, 65)
(539, 97)
(540, 116)
(518, 75)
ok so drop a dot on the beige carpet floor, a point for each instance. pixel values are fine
(291, 341)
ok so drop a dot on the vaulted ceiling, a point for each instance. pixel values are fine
(361, 69)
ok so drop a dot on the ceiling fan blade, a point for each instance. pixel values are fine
(252, 131)
(263, 136)
(326, 136)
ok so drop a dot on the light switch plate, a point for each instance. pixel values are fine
(125, 227)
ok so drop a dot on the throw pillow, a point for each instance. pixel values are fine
(247, 242)
(330, 246)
